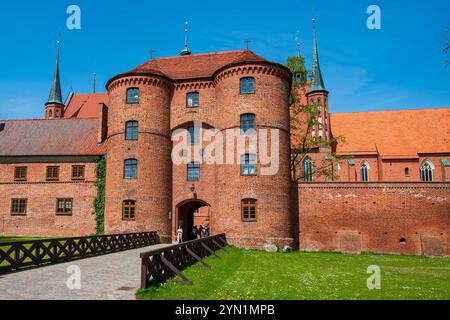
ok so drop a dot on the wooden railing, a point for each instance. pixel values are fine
(161, 264)
(24, 254)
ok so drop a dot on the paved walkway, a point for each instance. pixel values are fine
(110, 277)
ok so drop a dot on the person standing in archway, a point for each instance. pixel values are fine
(180, 235)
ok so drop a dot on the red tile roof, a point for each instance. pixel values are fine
(393, 134)
(49, 137)
(85, 105)
(194, 66)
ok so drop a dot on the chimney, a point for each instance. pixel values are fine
(102, 123)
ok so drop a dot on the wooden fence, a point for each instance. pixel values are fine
(24, 254)
(161, 264)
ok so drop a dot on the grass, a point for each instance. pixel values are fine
(249, 274)
(14, 239)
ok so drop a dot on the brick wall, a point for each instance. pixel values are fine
(399, 218)
(41, 218)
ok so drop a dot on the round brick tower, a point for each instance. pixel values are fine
(269, 192)
(139, 192)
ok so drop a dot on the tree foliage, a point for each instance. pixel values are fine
(303, 118)
(99, 201)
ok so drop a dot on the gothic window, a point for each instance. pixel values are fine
(426, 171)
(192, 99)
(131, 130)
(247, 85)
(247, 122)
(193, 171)
(130, 169)
(19, 206)
(248, 207)
(307, 169)
(128, 210)
(248, 165)
(132, 95)
(64, 206)
(193, 135)
(365, 172)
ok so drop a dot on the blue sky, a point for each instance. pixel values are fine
(400, 66)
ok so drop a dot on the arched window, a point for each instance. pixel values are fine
(248, 164)
(193, 135)
(50, 114)
(192, 99)
(248, 207)
(130, 169)
(247, 85)
(426, 171)
(307, 169)
(247, 122)
(132, 95)
(131, 130)
(365, 172)
(128, 210)
(193, 171)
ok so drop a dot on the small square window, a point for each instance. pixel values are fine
(19, 207)
(20, 173)
(130, 169)
(192, 99)
(64, 206)
(247, 85)
(248, 209)
(52, 173)
(193, 171)
(77, 172)
(133, 96)
(129, 210)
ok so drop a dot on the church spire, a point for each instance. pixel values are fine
(316, 75)
(55, 92)
(185, 51)
(54, 107)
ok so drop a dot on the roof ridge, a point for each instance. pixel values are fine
(391, 110)
(49, 120)
(200, 54)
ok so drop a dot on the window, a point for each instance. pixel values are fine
(426, 172)
(365, 172)
(193, 171)
(307, 169)
(130, 169)
(19, 206)
(131, 130)
(20, 174)
(192, 99)
(128, 210)
(64, 206)
(52, 173)
(77, 172)
(247, 122)
(133, 95)
(407, 171)
(193, 135)
(248, 165)
(248, 207)
(247, 85)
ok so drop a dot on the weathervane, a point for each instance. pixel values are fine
(247, 42)
(185, 51)
(151, 51)
(297, 39)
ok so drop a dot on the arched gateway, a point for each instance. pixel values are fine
(190, 213)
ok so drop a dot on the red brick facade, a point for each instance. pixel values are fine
(405, 218)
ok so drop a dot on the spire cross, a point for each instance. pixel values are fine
(151, 51)
(247, 42)
(94, 78)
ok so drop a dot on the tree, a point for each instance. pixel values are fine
(303, 118)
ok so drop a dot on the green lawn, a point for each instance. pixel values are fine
(250, 274)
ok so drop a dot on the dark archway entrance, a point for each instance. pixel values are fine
(192, 213)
